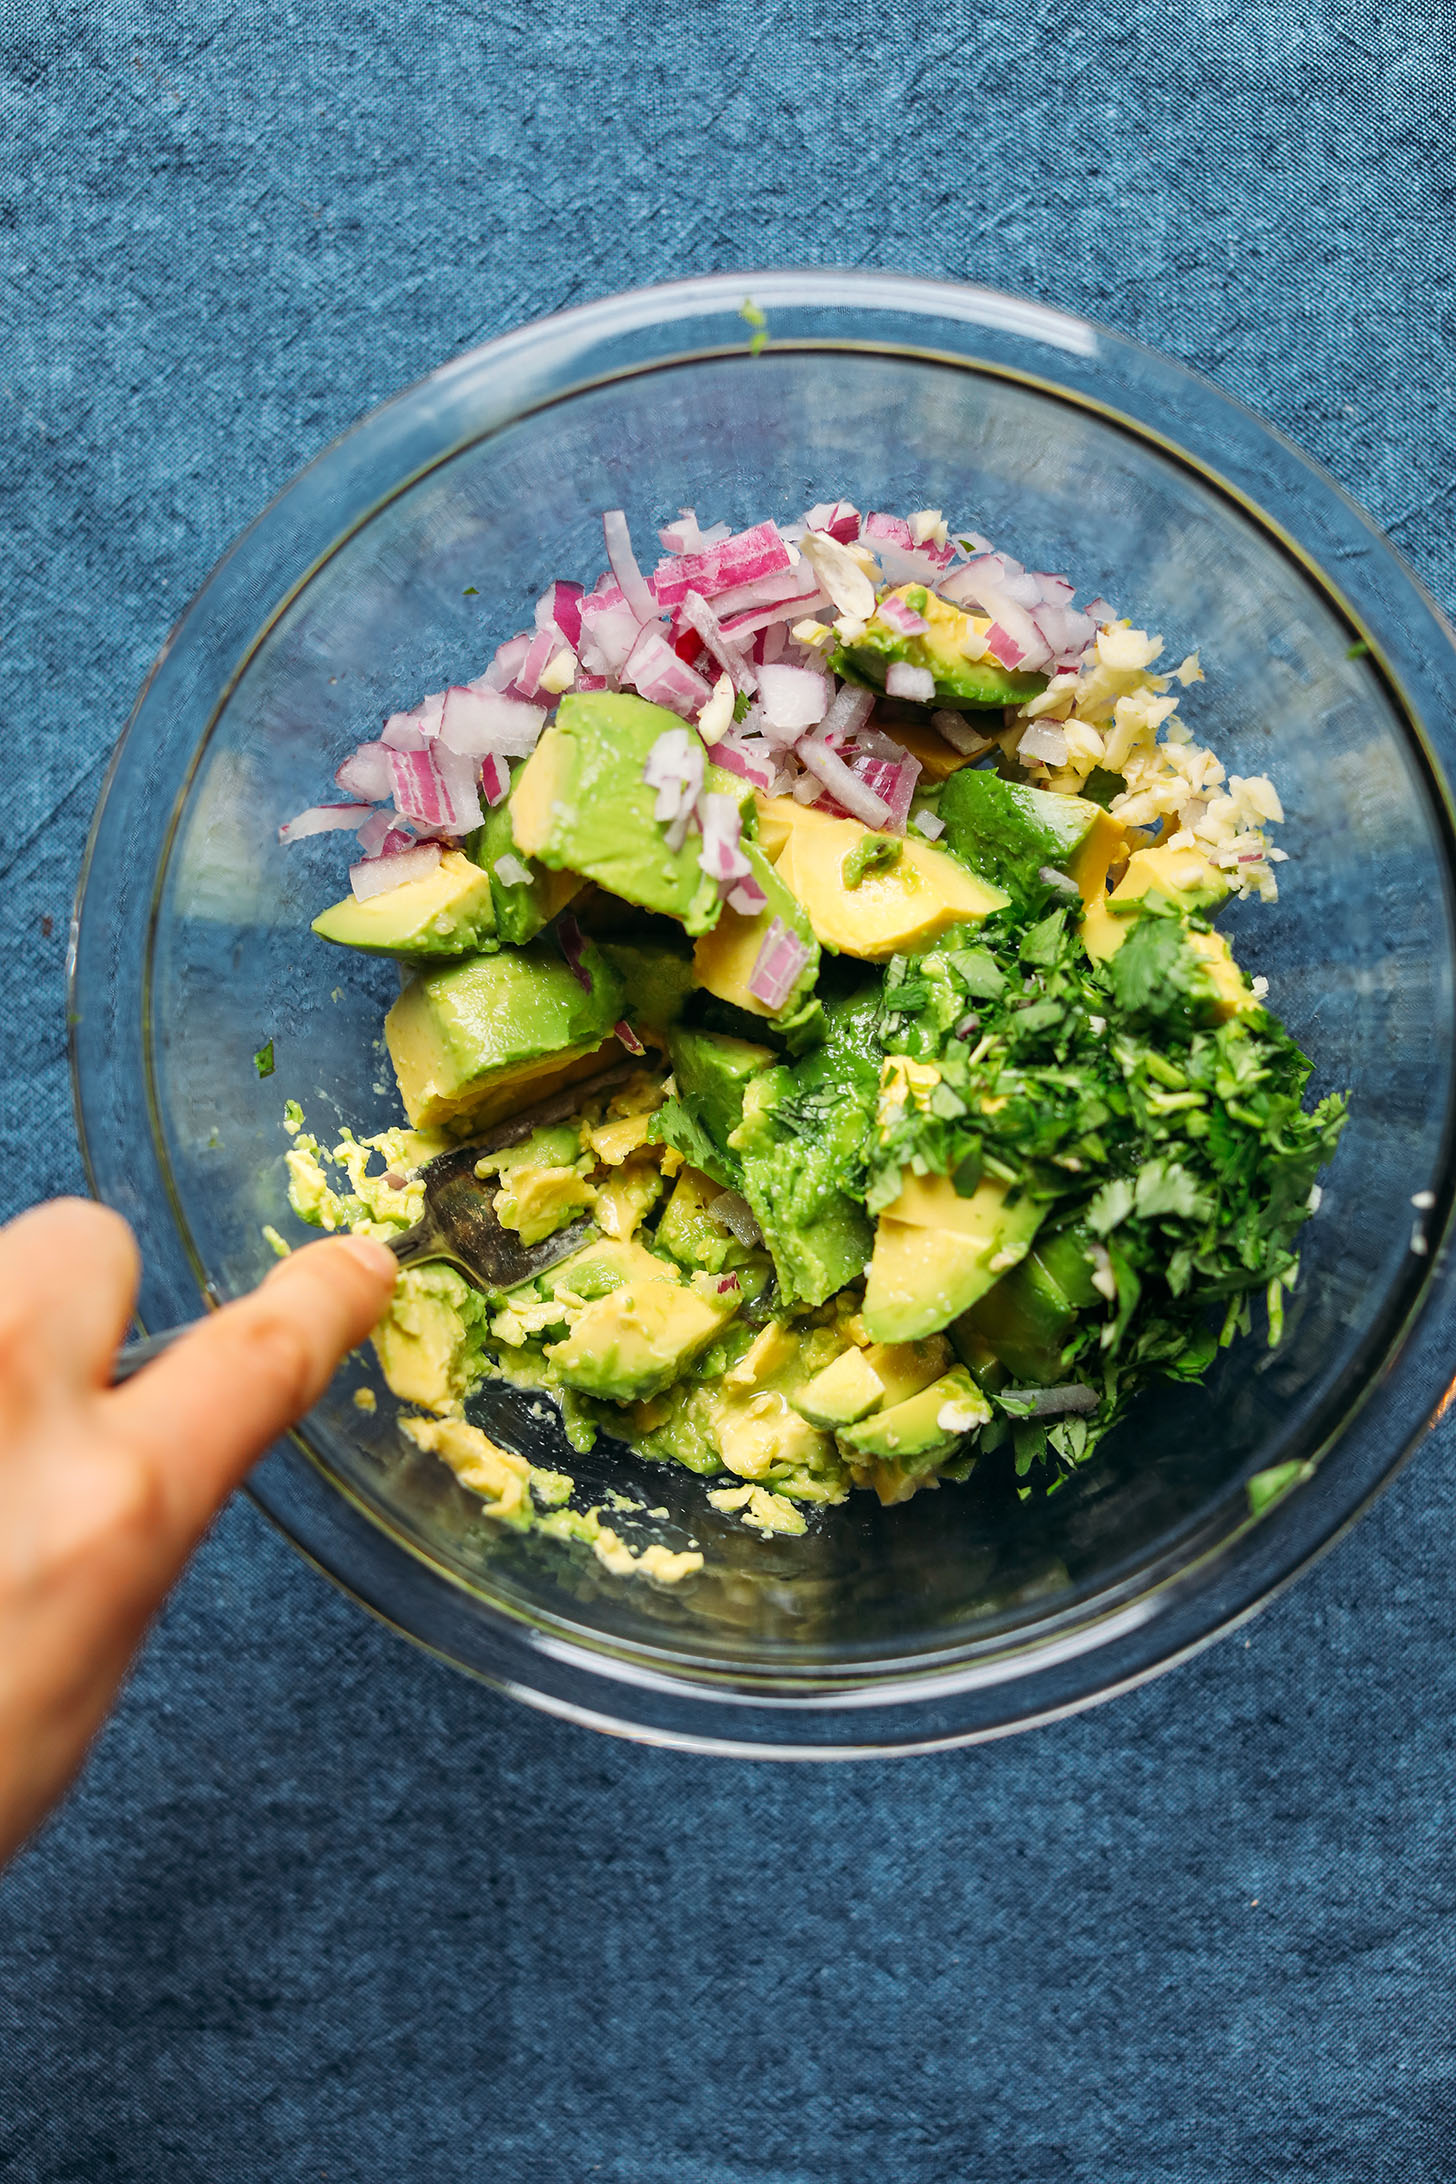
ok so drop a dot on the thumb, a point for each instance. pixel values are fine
(204, 1411)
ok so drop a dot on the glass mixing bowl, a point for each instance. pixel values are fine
(963, 1613)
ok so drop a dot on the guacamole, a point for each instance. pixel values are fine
(954, 1120)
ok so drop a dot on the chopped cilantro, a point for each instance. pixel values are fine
(470, 592)
(1357, 651)
(263, 1060)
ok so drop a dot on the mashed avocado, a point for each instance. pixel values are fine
(955, 1122)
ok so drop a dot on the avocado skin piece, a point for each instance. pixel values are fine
(582, 805)
(913, 1428)
(1028, 1317)
(459, 1031)
(520, 912)
(657, 981)
(1007, 830)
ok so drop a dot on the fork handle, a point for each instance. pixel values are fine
(134, 1355)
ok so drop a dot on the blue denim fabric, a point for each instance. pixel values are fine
(320, 1909)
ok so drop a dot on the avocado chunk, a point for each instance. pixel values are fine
(1010, 832)
(447, 913)
(1028, 1317)
(724, 960)
(521, 909)
(688, 1228)
(962, 684)
(1181, 881)
(846, 1390)
(899, 908)
(581, 804)
(927, 1425)
(463, 1033)
(637, 1339)
(936, 1253)
(1183, 878)
(712, 1072)
(656, 979)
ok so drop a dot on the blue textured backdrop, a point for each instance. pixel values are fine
(320, 1909)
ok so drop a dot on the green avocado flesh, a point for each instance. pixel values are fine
(961, 684)
(447, 913)
(521, 908)
(581, 805)
(478, 1027)
(1015, 1138)
(1008, 831)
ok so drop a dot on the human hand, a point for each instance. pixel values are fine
(105, 1491)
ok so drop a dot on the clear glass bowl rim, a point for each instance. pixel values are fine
(1122, 1640)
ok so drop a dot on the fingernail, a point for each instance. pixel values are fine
(376, 1256)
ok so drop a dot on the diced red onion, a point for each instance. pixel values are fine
(688, 536)
(720, 856)
(634, 585)
(541, 651)
(1054, 1402)
(323, 819)
(741, 559)
(559, 608)
(747, 898)
(930, 824)
(420, 792)
(568, 934)
(402, 732)
(397, 840)
(505, 663)
(898, 614)
(729, 753)
(365, 773)
(675, 767)
(850, 707)
(478, 723)
(510, 871)
(784, 610)
(461, 777)
(854, 798)
(904, 681)
(377, 834)
(609, 630)
(958, 732)
(495, 779)
(377, 875)
(734, 1212)
(727, 1283)
(879, 531)
(839, 520)
(779, 965)
(628, 1036)
(1001, 642)
(1099, 612)
(1057, 591)
(793, 698)
(654, 670)
(702, 619)
(768, 591)
(893, 780)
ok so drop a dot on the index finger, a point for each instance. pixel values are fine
(204, 1411)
